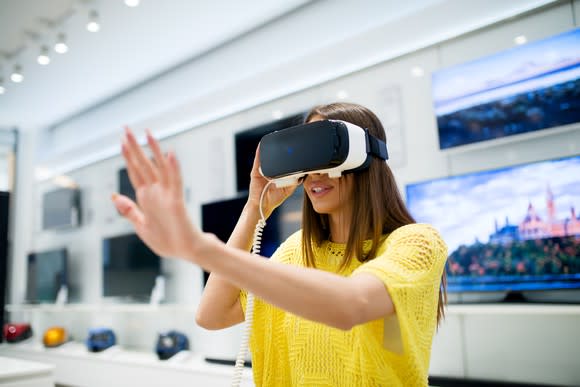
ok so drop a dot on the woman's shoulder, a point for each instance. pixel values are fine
(289, 248)
(416, 228)
(421, 233)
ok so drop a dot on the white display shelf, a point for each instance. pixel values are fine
(75, 365)
(107, 307)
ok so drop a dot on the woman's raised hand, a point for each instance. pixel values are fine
(159, 215)
(273, 197)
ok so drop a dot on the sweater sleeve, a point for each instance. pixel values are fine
(410, 264)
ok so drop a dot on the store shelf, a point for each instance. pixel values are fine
(75, 365)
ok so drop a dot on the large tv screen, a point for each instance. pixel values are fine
(129, 268)
(220, 218)
(61, 208)
(247, 141)
(511, 229)
(46, 274)
(528, 88)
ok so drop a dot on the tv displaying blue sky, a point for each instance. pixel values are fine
(532, 66)
(465, 208)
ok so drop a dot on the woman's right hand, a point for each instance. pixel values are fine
(274, 196)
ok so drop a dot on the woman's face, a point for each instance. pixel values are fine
(329, 196)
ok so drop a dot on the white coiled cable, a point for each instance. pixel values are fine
(249, 317)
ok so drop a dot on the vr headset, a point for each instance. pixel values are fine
(330, 146)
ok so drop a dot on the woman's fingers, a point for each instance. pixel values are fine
(256, 165)
(141, 162)
(132, 168)
(160, 160)
(128, 209)
(174, 175)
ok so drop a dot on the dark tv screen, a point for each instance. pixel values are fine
(61, 208)
(125, 186)
(220, 218)
(511, 229)
(46, 273)
(129, 268)
(247, 141)
(531, 87)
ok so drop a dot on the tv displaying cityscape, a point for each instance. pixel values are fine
(529, 88)
(511, 229)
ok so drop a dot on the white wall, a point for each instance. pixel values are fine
(206, 153)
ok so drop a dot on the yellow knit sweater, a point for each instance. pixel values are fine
(288, 350)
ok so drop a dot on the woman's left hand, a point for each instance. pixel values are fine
(159, 214)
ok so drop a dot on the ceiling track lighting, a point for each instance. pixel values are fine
(60, 46)
(16, 75)
(43, 57)
(93, 24)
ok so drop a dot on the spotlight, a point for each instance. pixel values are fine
(60, 46)
(342, 94)
(16, 75)
(417, 71)
(132, 3)
(521, 39)
(93, 24)
(43, 57)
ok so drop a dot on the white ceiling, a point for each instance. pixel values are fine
(134, 44)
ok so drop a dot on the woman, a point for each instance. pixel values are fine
(354, 303)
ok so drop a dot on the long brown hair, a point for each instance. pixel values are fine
(378, 208)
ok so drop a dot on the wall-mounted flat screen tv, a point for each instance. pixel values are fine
(125, 186)
(61, 208)
(247, 141)
(46, 274)
(513, 229)
(220, 218)
(129, 268)
(531, 87)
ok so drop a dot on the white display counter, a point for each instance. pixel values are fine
(25, 373)
(74, 365)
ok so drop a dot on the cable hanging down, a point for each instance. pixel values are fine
(249, 317)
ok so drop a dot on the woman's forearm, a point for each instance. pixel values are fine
(219, 307)
(313, 294)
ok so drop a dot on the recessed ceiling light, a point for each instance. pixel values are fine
(417, 71)
(132, 3)
(521, 39)
(342, 94)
